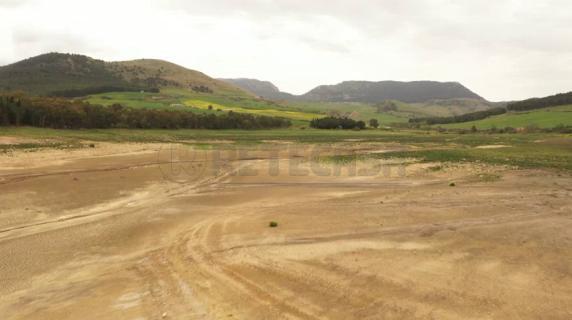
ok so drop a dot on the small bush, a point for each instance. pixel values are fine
(452, 184)
(273, 224)
(436, 168)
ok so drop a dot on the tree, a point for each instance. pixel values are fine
(61, 113)
(373, 123)
(473, 116)
(336, 123)
(386, 106)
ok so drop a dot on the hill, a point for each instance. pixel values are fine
(263, 89)
(542, 118)
(153, 84)
(372, 92)
(547, 112)
(78, 75)
(560, 99)
(368, 99)
(369, 92)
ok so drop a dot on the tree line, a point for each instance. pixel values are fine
(539, 103)
(337, 123)
(61, 113)
(473, 116)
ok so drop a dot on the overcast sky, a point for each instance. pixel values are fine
(501, 49)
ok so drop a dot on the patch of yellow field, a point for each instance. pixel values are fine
(294, 115)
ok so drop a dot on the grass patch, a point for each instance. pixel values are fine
(542, 118)
(6, 148)
(410, 137)
(524, 156)
(179, 99)
(489, 177)
(436, 168)
(211, 106)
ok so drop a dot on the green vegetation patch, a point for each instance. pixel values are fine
(542, 118)
(6, 148)
(181, 99)
(295, 115)
(355, 110)
(524, 156)
(143, 100)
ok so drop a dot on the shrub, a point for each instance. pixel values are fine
(273, 224)
(337, 123)
(374, 123)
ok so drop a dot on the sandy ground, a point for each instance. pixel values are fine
(155, 232)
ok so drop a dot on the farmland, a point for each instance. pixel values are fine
(196, 102)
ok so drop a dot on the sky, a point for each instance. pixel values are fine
(501, 49)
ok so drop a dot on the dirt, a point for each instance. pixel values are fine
(492, 146)
(132, 231)
(7, 140)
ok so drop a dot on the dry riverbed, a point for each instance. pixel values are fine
(151, 231)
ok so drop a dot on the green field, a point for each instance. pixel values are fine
(133, 99)
(542, 118)
(300, 112)
(180, 99)
(553, 152)
(356, 110)
(294, 115)
(366, 111)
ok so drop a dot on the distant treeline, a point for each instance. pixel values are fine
(60, 113)
(460, 118)
(538, 103)
(71, 93)
(337, 123)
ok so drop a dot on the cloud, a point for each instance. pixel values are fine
(13, 3)
(31, 42)
(504, 49)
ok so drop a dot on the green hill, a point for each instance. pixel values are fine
(78, 75)
(560, 99)
(55, 72)
(263, 89)
(145, 83)
(363, 91)
(161, 74)
(390, 112)
(150, 83)
(374, 92)
(542, 118)
(362, 100)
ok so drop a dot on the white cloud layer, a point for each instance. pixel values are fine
(503, 49)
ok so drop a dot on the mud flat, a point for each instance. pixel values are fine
(132, 232)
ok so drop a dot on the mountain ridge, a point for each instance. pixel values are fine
(261, 88)
(365, 91)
